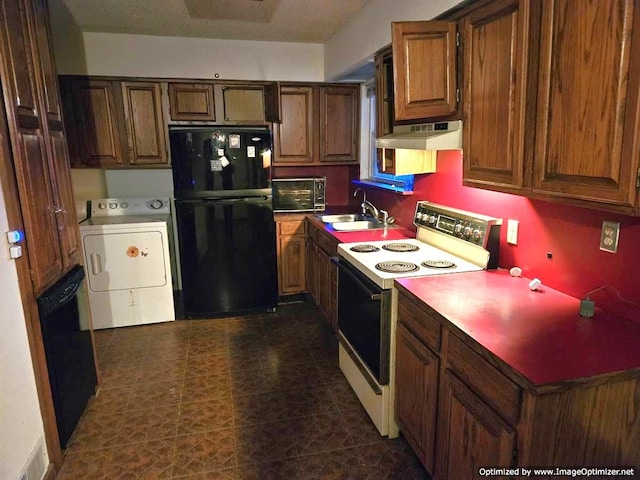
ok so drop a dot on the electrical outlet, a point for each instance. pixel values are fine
(610, 236)
(512, 232)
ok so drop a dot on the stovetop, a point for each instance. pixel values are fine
(366, 262)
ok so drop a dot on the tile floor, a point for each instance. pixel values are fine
(254, 397)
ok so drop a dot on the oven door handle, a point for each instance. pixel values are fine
(372, 295)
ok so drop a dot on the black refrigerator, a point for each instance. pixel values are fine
(224, 217)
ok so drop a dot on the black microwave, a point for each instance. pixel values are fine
(299, 194)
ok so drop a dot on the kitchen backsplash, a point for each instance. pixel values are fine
(570, 234)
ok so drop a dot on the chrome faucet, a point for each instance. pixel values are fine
(364, 199)
(366, 206)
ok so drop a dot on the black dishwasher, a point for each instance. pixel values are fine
(68, 350)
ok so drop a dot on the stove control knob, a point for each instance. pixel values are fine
(467, 231)
(113, 205)
(458, 228)
(432, 219)
(476, 233)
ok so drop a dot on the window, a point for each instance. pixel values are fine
(369, 172)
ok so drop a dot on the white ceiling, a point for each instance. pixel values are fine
(304, 21)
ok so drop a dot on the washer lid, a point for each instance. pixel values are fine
(124, 220)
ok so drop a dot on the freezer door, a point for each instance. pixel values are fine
(227, 255)
(126, 260)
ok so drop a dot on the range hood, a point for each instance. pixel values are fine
(426, 136)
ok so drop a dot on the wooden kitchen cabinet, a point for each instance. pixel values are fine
(416, 394)
(252, 103)
(291, 254)
(319, 125)
(144, 123)
(339, 124)
(189, 101)
(490, 414)
(424, 69)
(114, 123)
(294, 138)
(495, 74)
(92, 121)
(576, 99)
(472, 435)
(38, 142)
(322, 273)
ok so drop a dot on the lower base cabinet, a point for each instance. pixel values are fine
(291, 254)
(487, 415)
(321, 272)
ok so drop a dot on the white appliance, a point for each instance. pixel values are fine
(448, 241)
(126, 252)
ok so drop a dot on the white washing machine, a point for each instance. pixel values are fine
(126, 252)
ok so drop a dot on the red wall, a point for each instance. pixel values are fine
(570, 233)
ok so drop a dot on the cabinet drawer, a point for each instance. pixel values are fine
(494, 388)
(419, 323)
(329, 245)
(291, 228)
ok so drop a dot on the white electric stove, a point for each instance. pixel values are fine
(448, 241)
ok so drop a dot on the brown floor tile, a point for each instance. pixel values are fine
(148, 424)
(256, 397)
(205, 387)
(204, 452)
(205, 416)
(149, 460)
(265, 442)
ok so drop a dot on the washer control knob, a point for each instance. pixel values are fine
(113, 205)
(155, 204)
(102, 206)
(124, 205)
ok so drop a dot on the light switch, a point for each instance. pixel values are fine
(512, 232)
(15, 251)
(14, 236)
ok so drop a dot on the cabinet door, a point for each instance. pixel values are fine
(470, 434)
(587, 116)
(416, 394)
(92, 122)
(424, 69)
(293, 137)
(310, 264)
(145, 126)
(496, 53)
(243, 104)
(38, 201)
(323, 286)
(339, 122)
(291, 264)
(191, 101)
(384, 108)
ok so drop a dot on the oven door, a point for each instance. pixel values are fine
(364, 321)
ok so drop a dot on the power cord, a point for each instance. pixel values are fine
(587, 306)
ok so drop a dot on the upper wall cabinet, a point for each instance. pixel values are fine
(578, 103)
(424, 69)
(113, 123)
(319, 125)
(224, 103)
(587, 135)
(495, 74)
(38, 143)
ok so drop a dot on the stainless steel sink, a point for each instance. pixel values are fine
(346, 217)
(356, 225)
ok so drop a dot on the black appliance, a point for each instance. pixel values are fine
(69, 352)
(224, 217)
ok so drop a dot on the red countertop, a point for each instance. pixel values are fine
(539, 334)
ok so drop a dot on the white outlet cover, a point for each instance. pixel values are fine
(609, 236)
(512, 232)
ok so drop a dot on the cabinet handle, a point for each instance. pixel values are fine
(96, 264)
